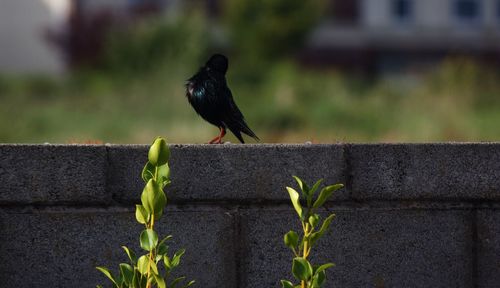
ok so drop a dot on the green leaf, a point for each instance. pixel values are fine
(166, 183)
(319, 279)
(291, 240)
(130, 254)
(153, 266)
(160, 202)
(177, 258)
(325, 194)
(136, 280)
(158, 258)
(120, 280)
(286, 284)
(143, 281)
(149, 239)
(294, 197)
(127, 273)
(158, 152)
(153, 198)
(148, 172)
(162, 249)
(302, 269)
(324, 227)
(160, 281)
(168, 263)
(189, 284)
(142, 264)
(302, 185)
(141, 215)
(163, 175)
(148, 196)
(168, 237)
(177, 281)
(312, 191)
(108, 274)
(313, 220)
(323, 267)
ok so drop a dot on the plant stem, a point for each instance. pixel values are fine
(305, 251)
(306, 242)
(150, 255)
(151, 226)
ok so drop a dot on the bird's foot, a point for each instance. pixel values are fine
(218, 139)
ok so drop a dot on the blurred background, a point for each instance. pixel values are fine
(326, 71)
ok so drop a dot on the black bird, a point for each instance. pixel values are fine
(209, 95)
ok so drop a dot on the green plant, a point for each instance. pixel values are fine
(145, 271)
(268, 30)
(310, 276)
(155, 44)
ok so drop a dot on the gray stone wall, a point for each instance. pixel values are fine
(411, 215)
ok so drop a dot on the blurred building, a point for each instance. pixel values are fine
(49, 36)
(390, 35)
(24, 28)
(364, 35)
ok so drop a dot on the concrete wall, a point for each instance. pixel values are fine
(411, 215)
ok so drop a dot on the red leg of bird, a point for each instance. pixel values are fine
(214, 140)
(218, 139)
(222, 133)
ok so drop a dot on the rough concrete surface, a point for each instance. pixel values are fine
(53, 173)
(425, 171)
(488, 234)
(230, 172)
(62, 249)
(411, 215)
(402, 248)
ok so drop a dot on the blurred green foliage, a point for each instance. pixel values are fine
(152, 43)
(138, 91)
(269, 30)
(262, 33)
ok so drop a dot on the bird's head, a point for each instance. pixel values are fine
(217, 62)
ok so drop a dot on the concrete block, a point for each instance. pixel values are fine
(59, 249)
(425, 171)
(230, 172)
(53, 173)
(488, 252)
(372, 248)
(124, 173)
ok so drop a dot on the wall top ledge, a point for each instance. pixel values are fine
(257, 144)
(76, 173)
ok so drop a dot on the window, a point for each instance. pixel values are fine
(402, 10)
(467, 10)
(498, 10)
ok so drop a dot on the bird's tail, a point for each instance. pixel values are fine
(249, 132)
(241, 126)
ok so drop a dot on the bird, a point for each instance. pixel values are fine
(211, 98)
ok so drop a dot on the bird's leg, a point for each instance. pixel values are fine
(222, 133)
(218, 139)
(214, 140)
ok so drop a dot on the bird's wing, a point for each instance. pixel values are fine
(233, 117)
(203, 90)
